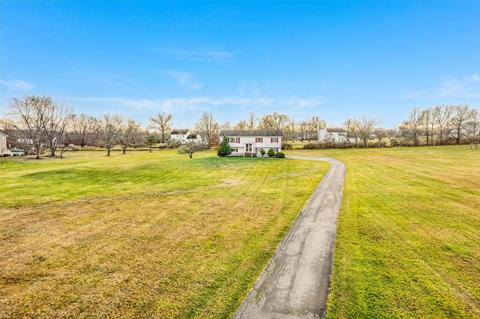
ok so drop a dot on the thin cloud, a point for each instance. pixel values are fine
(17, 84)
(202, 102)
(184, 79)
(451, 87)
(205, 55)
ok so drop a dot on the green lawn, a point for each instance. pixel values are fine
(408, 242)
(142, 235)
(161, 236)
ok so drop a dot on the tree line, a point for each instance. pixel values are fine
(40, 123)
(439, 125)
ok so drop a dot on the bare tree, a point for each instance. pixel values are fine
(111, 131)
(241, 125)
(289, 130)
(9, 127)
(85, 128)
(303, 130)
(190, 148)
(314, 125)
(350, 127)
(139, 137)
(33, 116)
(462, 114)
(162, 123)
(412, 126)
(277, 122)
(426, 123)
(127, 134)
(208, 128)
(58, 119)
(225, 126)
(473, 126)
(251, 123)
(381, 133)
(365, 127)
(151, 139)
(442, 116)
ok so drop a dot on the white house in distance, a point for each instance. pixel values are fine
(185, 136)
(334, 135)
(3, 145)
(178, 135)
(250, 142)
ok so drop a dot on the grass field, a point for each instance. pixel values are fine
(160, 236)
(408, 242)
(141, 235)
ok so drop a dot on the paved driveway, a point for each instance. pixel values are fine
(295, 283)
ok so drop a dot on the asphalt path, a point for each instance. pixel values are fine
(295, 282)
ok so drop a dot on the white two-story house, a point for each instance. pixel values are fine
(333, 135)
(178, 135)
(185, 136)
(250, 142)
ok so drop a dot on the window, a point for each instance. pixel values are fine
(248, 147)
(274, 140)
(234, 150)
(258, 139)
(234, 139)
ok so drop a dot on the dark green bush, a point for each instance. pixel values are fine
(224, 148)
(280, 155)
(271, 153)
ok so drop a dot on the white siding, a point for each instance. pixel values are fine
(266, 144)
(178, 137)
(337, 137)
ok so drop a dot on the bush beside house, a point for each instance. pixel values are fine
(224, 148)
(271, 153)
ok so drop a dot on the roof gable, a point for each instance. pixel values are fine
(179, 131)
(336, 130)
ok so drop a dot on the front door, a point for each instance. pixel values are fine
(248, 149)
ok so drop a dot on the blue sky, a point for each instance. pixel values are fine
(332, 59)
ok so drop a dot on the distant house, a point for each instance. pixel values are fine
(352, 138)
(250, 142)
(179, 135)
(333, 135)
(194, 138)
(3, 144)
(185, 136)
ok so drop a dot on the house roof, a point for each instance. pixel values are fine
(191, 136)
(250, 133)
(179, 131)
(336, 130)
